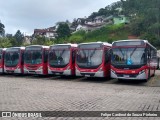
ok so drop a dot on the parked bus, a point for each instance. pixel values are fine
(93, 59)
(2, 53)
(62, 59)
(36, 59)
(13, 60)
(133, 59)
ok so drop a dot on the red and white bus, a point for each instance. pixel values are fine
(133, 59)
(62, 59)
(13, 60)
(93, 59)
(2, 53)
(36, 59)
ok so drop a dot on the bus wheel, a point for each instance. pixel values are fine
(120, 80)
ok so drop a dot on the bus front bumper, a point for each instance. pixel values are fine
(65, 72)
(39, 71)
(90, 74)
(19, 71)
(140, 76)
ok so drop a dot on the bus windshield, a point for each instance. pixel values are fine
(33, 56)
(89, 56)
(128, 56)
(11, 58)
(59, 57)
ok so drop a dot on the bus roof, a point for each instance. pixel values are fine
(22, 48)
(72, 45)
(43, 46)
(145, 41)
(3, 49)
(104, 43)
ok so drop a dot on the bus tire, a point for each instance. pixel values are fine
(120, 80)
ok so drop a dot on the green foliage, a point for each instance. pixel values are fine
(18, 38)
(105, 34)
(63, 31)
(115, 28)
(49, 42)
(42, 41)
(2, 31)
(76, 39)
(151, 38)
(144, 16)
(5, 42)
(108, 10)
(39, 40)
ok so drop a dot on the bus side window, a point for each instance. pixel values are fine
(45, 56)
(148, 53)
(107, 55)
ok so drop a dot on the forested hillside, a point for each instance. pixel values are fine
(144, 22)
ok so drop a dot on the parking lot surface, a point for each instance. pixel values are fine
(40, 93)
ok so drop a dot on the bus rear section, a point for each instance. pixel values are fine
(133, 59)
(62, 59)
(2, 53)
(13, 60)
(36, 60)
(93, 59)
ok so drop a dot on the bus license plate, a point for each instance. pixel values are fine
(87, 75)
(57, 73)
(126, 76)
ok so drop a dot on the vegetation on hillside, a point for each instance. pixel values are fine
(105, 34)
(145, 22)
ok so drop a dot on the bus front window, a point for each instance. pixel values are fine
(128, 56)
(89, 58)
(59, 57)
(11, 59)
(33, 57)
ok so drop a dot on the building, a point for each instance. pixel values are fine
(27, 40)
(48, 32)
(121, 19)
(96, 23)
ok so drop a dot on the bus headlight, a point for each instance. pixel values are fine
(40, 68)
(18, 67)
(113, 71)
(68, 68)
(100, 70)
(141, 71)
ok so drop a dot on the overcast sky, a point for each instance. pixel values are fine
(26, 15)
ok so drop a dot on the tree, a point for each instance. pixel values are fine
(5, 42)
(39, 40)
(2, 31)
(19, 38)
(63, 31)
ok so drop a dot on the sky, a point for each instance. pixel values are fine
(27, 15)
